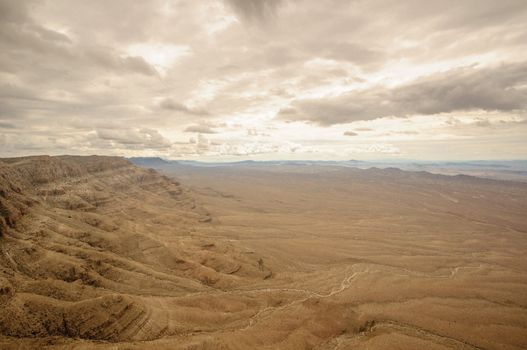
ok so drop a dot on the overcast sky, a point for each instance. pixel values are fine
(265, 79)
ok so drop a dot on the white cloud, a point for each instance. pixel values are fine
(382, 148)
(161, 56)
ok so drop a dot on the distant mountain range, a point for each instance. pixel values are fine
(152, 162)
(495, 169)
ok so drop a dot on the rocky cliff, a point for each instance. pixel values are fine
(98, 248)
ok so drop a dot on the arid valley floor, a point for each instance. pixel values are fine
(97, 253)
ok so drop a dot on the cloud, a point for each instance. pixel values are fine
(374, 148)
(199, 145)
(501, 88)
(202, 129)
(255, 9)
(167, 65)
(107, 59)
(171, 105)
(363, 129)
(21, 34)
(4, 125)
(255, 148)
(136, 138)
(13, 11)
(347, 51)
(161, 56)
(350, 133)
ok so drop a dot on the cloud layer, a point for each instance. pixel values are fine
(502, 88)
(266, 79)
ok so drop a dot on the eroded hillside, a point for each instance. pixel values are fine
(97, 248)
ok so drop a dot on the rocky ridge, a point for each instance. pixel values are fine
(98, 248)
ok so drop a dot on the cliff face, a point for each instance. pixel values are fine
(85, 239)
(23, 181)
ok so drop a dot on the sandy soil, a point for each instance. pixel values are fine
(99, 254)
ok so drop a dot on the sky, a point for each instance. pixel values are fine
(265, 79)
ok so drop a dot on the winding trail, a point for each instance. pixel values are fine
(345, 284)
(404, 328)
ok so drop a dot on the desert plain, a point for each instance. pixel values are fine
(99, 253)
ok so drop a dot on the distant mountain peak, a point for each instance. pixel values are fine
(149, 161)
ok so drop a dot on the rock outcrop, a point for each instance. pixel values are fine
(86, 239)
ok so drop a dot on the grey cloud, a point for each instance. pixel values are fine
(407, 132)
(203, 129)
(341, 50)
(20, 34)
(14, 91)
(481, 122)
(199, 145)
(350, 133)
(108, 59)
(4, 125)
(137, 64)
(352, 52)
(499, 88)
(13, 11)
(171, 105)
(138, 138)
(255, 9)
(289, 114)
